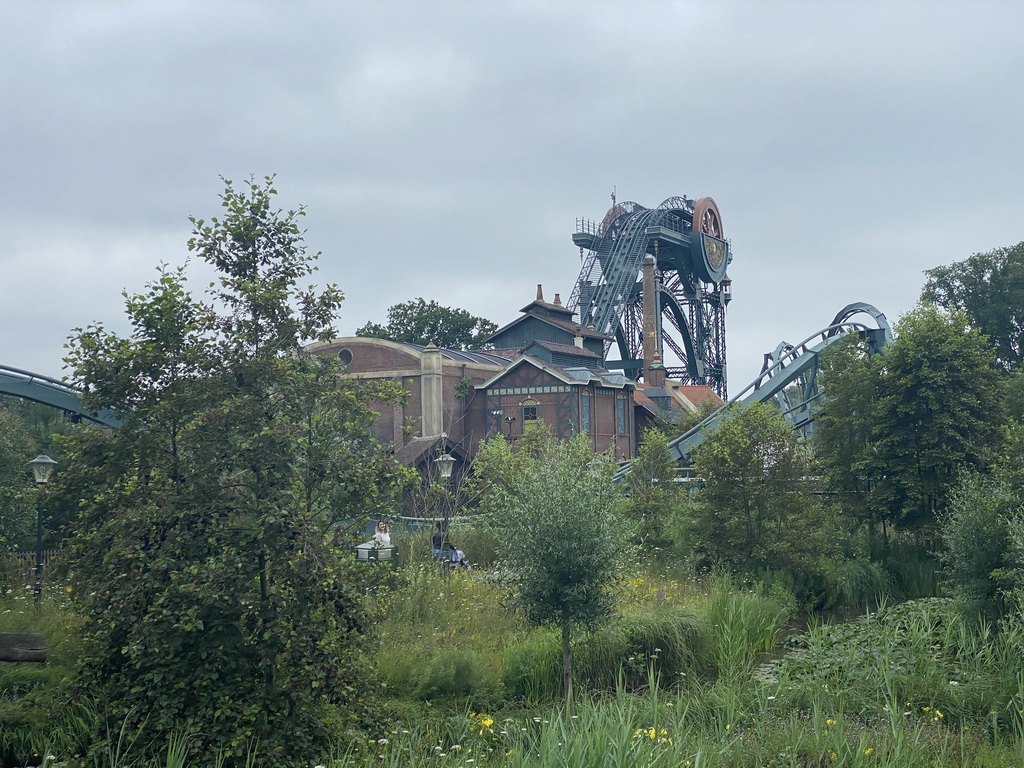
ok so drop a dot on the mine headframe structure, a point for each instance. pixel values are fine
(687, 289)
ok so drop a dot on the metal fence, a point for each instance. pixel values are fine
(21, 566)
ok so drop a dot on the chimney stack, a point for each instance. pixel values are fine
(651, 342)
(540, 292)
(578, 341)
(655, 375)
(431, 372)
(558, 299)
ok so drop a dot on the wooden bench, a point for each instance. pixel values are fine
(22, 647)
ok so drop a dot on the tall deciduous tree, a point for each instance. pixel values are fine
(989, 289)
(215, 606)
(894, 431)
(427, 322)
(939, 409)
(563, 533)
(756, 509)
(844, 430)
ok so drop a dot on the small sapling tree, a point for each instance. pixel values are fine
(564, 535)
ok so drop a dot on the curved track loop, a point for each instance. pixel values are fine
(790, 364)
(43, 389)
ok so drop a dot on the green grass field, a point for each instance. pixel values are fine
(690, 673)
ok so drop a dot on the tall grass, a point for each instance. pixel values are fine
(34, 719)
(671, 682)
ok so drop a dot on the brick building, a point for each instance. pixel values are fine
(540, 367)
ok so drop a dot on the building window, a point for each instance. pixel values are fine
(620, 416)
(528, 413)
(585, 411)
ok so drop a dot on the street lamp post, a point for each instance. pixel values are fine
(510, 420)
(444, 463)
(42, 469)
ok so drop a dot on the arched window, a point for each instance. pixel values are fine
(528, 411)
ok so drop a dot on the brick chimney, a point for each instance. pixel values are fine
(650, 316)
(655, 375)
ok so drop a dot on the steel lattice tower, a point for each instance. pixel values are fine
(691, 288)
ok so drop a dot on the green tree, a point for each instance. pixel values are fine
(939, 408)
(16, 493)
(844, 429)
(42, 426)
(214, 604)
(1014, 402)
(426, 322)
(563, 534)
(989, 289)
(653, 491)
(976, 555)
(894, 430)
(756, 510)
(981, 532)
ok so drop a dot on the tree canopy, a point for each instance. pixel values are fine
(756, 509)
(425, 322)
(989, 289)
(215, 606)
(16, 493)
(893, 431)
(563, 534)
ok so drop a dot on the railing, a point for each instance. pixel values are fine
(24, 564)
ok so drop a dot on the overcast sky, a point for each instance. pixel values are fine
(445, 149)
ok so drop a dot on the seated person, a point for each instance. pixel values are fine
(382, 535)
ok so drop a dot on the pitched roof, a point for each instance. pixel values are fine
(642, 400)
(571, 375)
(549, 307)
(564, 349)
(698, 394)
(411, 453)
(570, 327)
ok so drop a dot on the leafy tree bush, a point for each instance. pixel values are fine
(976, 539)
(215, 607)
(989, 289)
(563, 532)
(893, 431)
(16, 492)
(427, 322)
(654, 493)
(756, 510)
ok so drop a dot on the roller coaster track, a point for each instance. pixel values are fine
(52, 392)
(789, 376)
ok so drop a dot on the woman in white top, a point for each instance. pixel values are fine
(382, 536)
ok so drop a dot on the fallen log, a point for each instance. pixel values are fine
(22, 647)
